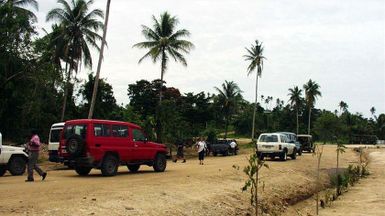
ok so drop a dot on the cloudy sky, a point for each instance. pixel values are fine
(339, 44)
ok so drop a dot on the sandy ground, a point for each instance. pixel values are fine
(183, 189)
(367, 197)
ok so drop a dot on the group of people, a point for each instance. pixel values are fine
(200, 146)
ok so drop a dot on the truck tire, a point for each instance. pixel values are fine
(215, 153)
(283, 155)
(82, 171)
(110, 165)
(261, 156)
(160, 163)
(17, 165)
(294, 154)
(75, 145)
(133, 168)
(3, 169)
(300, 152)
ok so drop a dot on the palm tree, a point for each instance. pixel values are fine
(80, 28)
(255, 56)
(229, 97)
(163, 41)
(295, 100)
(19, 7)
(311, 94)
(343, 106)
(373, 111)
(95, 90)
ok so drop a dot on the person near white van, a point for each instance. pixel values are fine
(33, 155)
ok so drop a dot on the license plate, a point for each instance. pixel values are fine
(267, 146)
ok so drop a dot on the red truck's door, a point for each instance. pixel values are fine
(142, 149)
(124, 145)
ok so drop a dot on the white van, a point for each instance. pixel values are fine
(13, 159)
(53, 141)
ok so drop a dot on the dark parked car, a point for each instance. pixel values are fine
(306, 142)
(222, 147)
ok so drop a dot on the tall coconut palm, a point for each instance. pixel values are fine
(255, 56)
(228, 97)
(343, 106)
(311, 93)
(95, 90)
(163, 41)
(80, 30)
(295, 101)
(19, 6)
(373, 111)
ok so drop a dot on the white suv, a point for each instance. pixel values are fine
(13, 159)
(275, 144)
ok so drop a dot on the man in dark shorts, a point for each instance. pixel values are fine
(201, 147)
(179, 154)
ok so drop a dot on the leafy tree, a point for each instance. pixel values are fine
(229, 97)
(311, 93)
(79, 32)
(105, 102)
(255, 56)
(343, 106)
(295, 101)
(327, 126)
(19, 7)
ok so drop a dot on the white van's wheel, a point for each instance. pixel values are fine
(3, 169)
(17, 165)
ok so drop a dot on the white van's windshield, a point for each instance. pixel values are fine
(268, 138)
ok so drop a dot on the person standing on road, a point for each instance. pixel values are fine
(33, 154)
(201, 147)
(179, 153)
(233, 146)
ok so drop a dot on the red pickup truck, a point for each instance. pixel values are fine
(105, 145)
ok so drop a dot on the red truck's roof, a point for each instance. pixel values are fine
(79, 121)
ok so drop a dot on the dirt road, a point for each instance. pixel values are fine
(367, 197)
(184, 189)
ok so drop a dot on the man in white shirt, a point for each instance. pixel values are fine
(233, 145)
(201, 147)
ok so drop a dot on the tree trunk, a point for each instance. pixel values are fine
(308, 127)
(337, 173)
(297, 122)
(226, 125)
(96, 83)
(158, 122)
(65, 91)
(255, 108)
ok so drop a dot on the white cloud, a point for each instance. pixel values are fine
(339, 44)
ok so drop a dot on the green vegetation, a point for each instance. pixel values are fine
(39, 85)
(252, 172)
